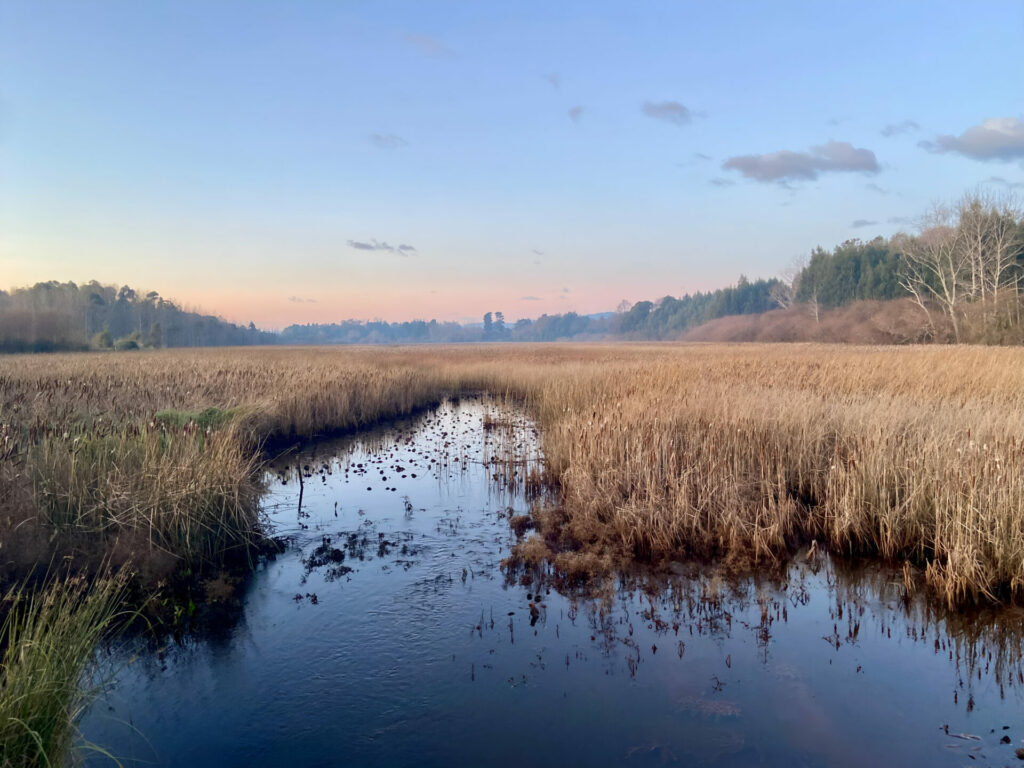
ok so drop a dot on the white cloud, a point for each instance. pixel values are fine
(998, 138)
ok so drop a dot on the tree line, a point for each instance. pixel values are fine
(665, 318)
(963, 268)
(54, 316)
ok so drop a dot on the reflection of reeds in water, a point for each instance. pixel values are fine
(983, 647)
(982, 643)
(513, 454)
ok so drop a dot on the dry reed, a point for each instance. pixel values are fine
(657, 450)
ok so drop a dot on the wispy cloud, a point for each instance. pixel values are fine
(900, 220)
(575, 113)
(387, 141)
(720, 181)
(786, 166)
(428, 45)
(897, 129)
(998, 138)
(669, 111)
(538, 252)
(374, 245)
(530, 298)
(701, 156)
(872, 187)
(860, 223)
(301, 300)
(554, 79)
(1004, 182)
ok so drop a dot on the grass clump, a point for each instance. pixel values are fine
(192, 494)
(47, 640)
(207, 418)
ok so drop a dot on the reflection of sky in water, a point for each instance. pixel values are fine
(423, 654)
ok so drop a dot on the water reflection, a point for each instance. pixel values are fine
(388, 634)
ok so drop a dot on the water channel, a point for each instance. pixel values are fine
(388, 634)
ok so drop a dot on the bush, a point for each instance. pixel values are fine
(133, 341)
(102, 340)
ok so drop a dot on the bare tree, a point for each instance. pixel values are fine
(972, 222)
(1005, 239)
(991, 237)
(813, 306)
(937, 266)
(783, 292)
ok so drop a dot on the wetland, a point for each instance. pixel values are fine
(395, 628)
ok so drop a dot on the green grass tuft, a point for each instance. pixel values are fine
(208, 418)
(48, 639)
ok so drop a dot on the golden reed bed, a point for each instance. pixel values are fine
(909, 453)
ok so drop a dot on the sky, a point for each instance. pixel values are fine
(294, 162)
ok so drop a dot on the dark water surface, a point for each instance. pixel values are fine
(388, 635)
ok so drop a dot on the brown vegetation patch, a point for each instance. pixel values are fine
(862, 322)
(520, 524)
(899, 321)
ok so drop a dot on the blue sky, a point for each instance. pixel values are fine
(266, 160)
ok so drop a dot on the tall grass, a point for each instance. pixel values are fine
(188, 492)
(753, 451)
(48, 638)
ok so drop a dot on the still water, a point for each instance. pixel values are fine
(388, 634)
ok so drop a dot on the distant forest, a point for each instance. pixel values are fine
(65, 316)
(648, 320)
(961, 275)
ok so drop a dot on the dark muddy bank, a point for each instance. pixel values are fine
(388, 634)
